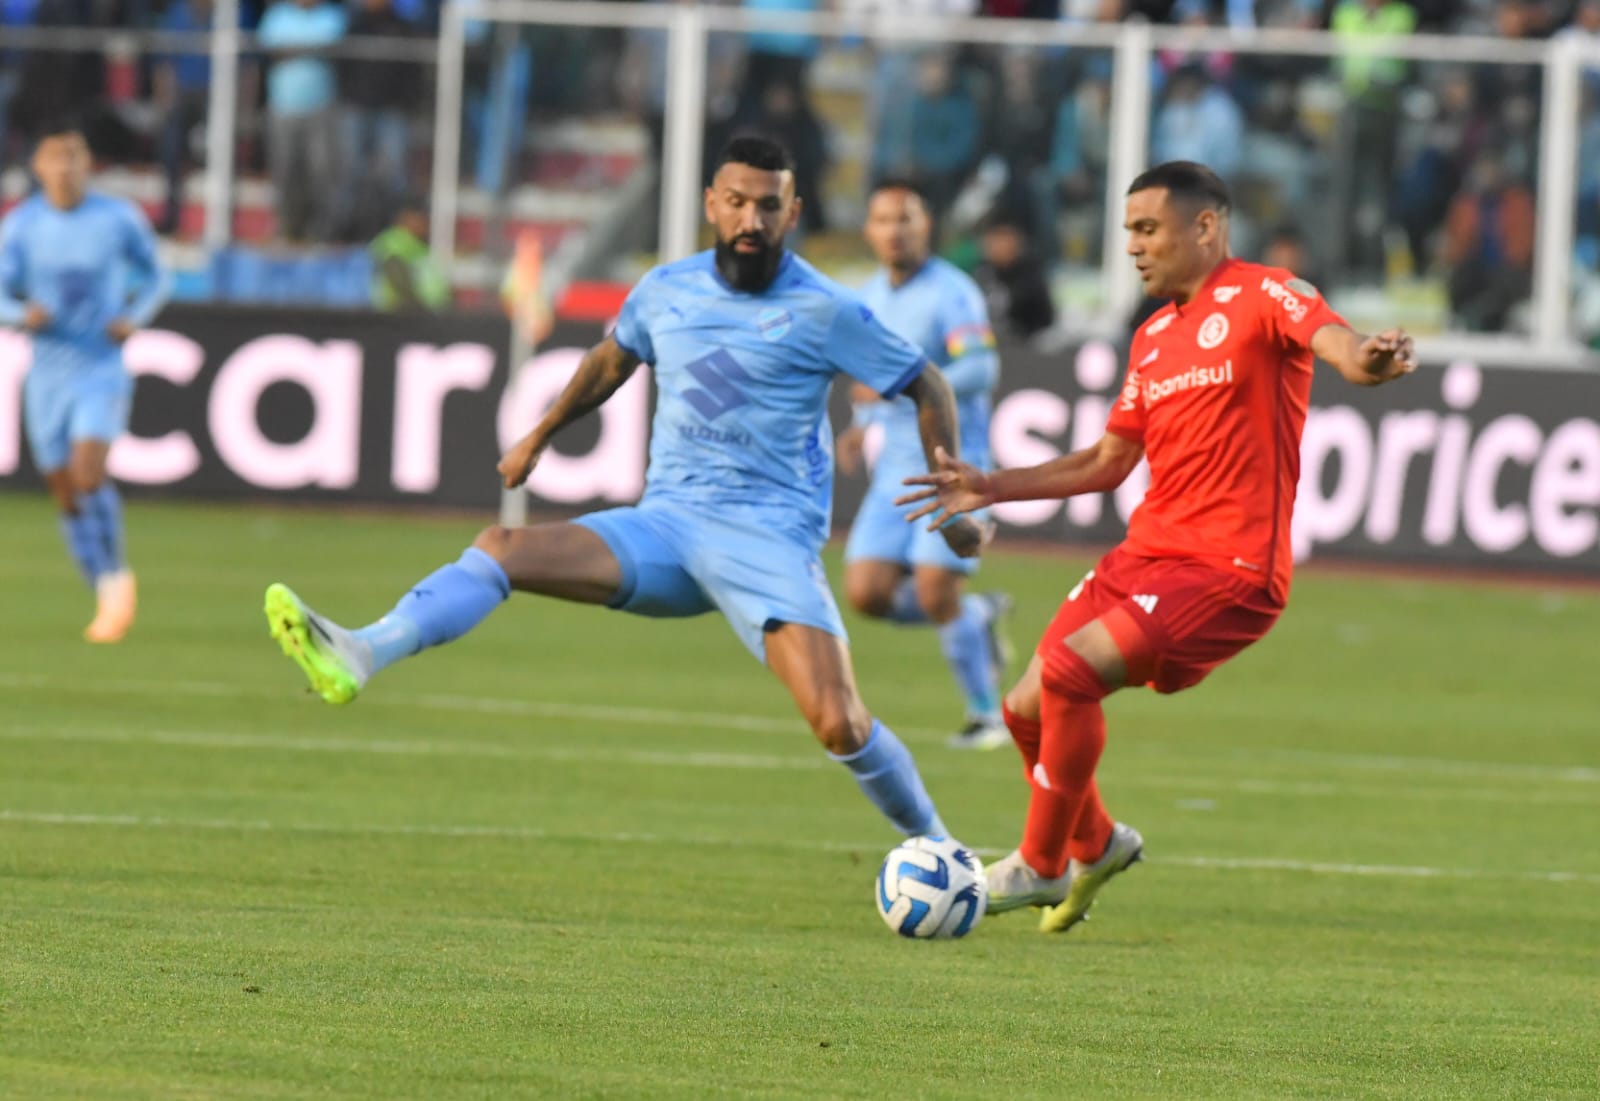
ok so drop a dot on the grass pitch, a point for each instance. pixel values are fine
(580, 855)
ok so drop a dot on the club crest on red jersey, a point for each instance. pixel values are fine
(1213, 331)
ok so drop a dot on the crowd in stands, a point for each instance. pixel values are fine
(1431, 166)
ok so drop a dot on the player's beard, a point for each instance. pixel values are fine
(751, 272)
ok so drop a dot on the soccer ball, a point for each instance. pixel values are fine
(931, 887)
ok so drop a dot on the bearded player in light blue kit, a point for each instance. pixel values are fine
(745, 341)
(898, 571)
(69, 258)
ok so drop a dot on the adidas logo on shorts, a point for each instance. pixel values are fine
(1148, 603)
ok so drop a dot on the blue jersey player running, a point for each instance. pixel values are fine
(79, 272)
(745, 341)
(894, 570)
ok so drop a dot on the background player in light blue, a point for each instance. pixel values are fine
(899, 571)
(79, 272)
(745, 341)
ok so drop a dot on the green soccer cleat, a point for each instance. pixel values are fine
(1123, 851)
(325, 652)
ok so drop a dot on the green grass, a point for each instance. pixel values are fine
(580, 855)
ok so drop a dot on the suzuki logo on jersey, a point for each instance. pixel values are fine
(1224, 295)
(722, 381)
(1291, 302)
(1192, 379)
(774, 324)
(1213, 331)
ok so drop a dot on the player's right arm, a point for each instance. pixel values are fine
(602, 372)
(15, 309)
(955, 487)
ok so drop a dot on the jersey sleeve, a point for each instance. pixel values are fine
(153, 283)
(860, 345)
(970, 362)
(1128, 412)
(1293, 310)
(13, 272)
(632, 333)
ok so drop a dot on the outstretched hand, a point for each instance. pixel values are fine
(518, 463)
(952, 488)
(1388, 355)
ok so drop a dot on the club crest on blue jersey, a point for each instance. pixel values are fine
(774, 324)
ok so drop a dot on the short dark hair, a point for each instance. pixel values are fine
(60, 125)
(1187, 182)
(902, 183)
(757, 151)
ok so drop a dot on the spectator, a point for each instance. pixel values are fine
(404, 277)
(1013, 281)
(1489, 247)
(1078, 149)
(380, 99)
(786, 118)
(1286, 248)
(181, 88)
(944, 132)
(1370, 123)
(1448, 144)
(301, 142)
(777, 56)
(1198, 122)
(1022, 126)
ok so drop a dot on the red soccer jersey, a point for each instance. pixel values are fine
(1217, 392)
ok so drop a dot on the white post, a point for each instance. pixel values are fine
(222, 105)
(447, 122)
(514, 502)
(1558, 196)
(1129, 156)
(684, 145)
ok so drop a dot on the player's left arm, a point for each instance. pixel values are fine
(972, 366)
(13, 273)
(1365, 360)
(941, 431)
(152, 280)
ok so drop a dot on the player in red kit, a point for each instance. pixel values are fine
(1216, 393)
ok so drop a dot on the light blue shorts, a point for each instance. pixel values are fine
(61, 407)
(880, 533)
(678, 562)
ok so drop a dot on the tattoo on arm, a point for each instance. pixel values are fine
(604, 369)
(936, 413)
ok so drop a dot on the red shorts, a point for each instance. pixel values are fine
(1193, 616)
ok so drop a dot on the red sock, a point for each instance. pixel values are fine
(1026, 733)
(1065, 816)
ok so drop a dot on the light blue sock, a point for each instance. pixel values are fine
(87, 538)
(104, 507)
(888, 776)
(440, 608)
(905, 608)
(965, 641)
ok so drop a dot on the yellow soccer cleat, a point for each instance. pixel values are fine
(326, 653)
(1123, 851)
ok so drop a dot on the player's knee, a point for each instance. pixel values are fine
(939, 595)
(867, 596)
(86, 477)
(495, 541)
(1023, 701)
(842, 724)
(1069, 674)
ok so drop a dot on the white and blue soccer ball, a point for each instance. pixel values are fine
(931, 887)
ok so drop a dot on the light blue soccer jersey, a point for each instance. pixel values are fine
(87, 266)
(741, 419)
(940, 310)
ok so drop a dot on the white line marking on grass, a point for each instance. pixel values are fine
(936, 765)
(519, 833)
(649, 716)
